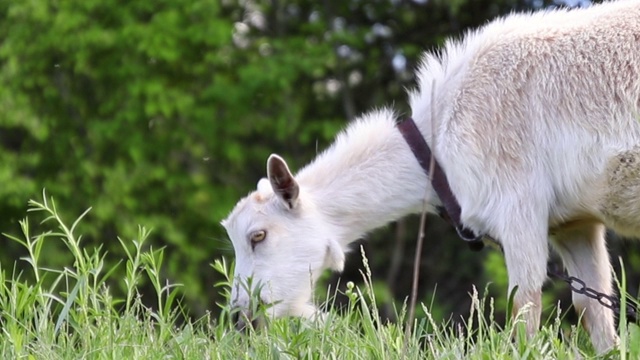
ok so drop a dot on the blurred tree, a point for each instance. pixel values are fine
(111, 105)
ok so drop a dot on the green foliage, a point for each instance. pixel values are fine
(76, 315)
(71, 311)
(112, 102)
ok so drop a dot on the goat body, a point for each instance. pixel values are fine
(535, 118)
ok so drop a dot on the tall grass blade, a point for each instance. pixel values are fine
(64, 314)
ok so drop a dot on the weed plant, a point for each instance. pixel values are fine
(70, 313)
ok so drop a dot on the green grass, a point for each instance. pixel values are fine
(71, 313)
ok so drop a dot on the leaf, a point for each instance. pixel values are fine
(64, 314)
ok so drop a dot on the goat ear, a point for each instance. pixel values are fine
(283, 183)
(335, 256)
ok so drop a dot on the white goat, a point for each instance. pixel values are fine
(530, 112)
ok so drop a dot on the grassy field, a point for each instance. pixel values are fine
(70, 313)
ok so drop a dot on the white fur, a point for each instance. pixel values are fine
(530, 110)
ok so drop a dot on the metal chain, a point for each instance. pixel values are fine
(580, 287)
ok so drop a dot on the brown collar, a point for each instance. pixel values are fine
(451, 211)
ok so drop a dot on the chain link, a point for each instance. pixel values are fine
(580, 287)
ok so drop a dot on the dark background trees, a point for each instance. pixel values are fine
(163, 114)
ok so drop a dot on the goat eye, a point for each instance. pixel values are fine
(257, 236)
